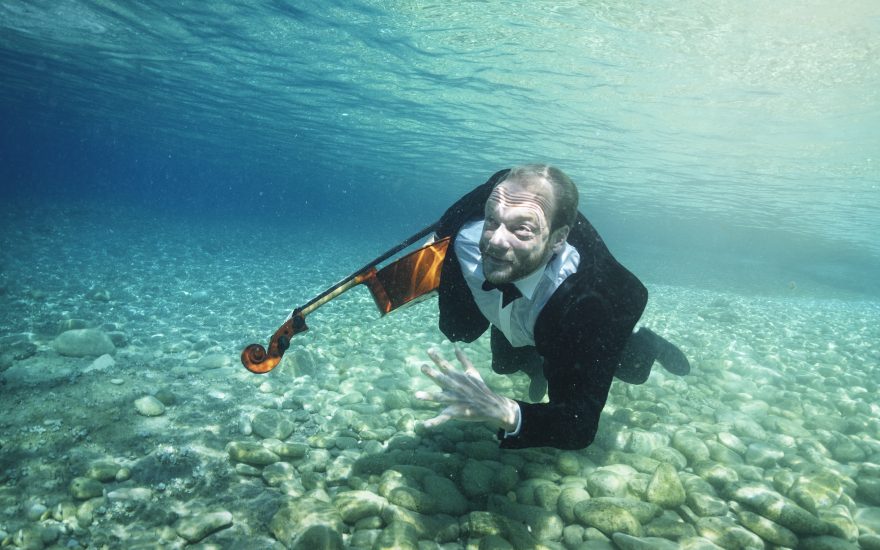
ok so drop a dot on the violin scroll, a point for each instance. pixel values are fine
(257, 359)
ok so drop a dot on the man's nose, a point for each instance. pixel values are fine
(500, 239)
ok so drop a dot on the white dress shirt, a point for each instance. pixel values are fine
(517, 320)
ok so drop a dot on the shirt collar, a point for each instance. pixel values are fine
(529, 283)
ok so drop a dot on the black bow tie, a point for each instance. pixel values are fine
(509, 292)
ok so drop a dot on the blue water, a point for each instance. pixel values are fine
(731, 145)
(179, 175)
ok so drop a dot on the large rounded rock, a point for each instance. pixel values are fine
(149, 406)
(665, 488)
(868, 520)
(769, 531)
(85, 342)
(627, 542)
(826, 542)
(568, 499)
(398, 535)
(869, 490)
(763, 455)
(292, 523)
(103, 470)
(214, 361)
(446, 496)
(476, 478)
(251, 453)
(83, 488)
(278, 473)
(273, 424)
(195, 528)
(775, 507)
(606, 483)
(816, 492)
(704, 504)
(727, 534)
(607, 517)
(318, 537)
(354, 506)
(543, 525)
(691, 446)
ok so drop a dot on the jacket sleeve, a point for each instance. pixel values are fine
(580, 333)
(460, 318)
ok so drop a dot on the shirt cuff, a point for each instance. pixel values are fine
(516, 430)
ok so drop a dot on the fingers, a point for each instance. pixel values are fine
(441, 397)
(469, 368)
(464, 393)
(436, 421)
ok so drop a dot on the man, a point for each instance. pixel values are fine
(561, 309)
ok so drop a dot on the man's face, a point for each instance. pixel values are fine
(516, 238)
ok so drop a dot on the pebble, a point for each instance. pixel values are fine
(763, 455)
(476, 478)
(724, 532)
(103, 362)
(607, 517)
(775, 507)
(840, 522)
(567, 500)
(816, 491)
(196, 528)
(103, 470)
(277, 473)
(543, 525)
(769, 531)
(295, 517)
(83, 488)
(35, 511)
(131, 493)
(273, 424)
(251, 453)
(354, 506)
(605, 483)
(706, 505)
(691, 446)
(868, 519)
(665, 488)
(732, 442)
(826, 542)
(214, 361)
(149, 406)
(286, 449)
(398, 535)
(628, 542)
(670, 456)
(84, 342)
(669, 526)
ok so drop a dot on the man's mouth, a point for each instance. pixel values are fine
(494, 260)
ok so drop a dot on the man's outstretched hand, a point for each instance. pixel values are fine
(465, 395)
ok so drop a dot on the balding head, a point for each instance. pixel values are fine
(565, 194)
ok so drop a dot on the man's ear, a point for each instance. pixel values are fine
(557, 238)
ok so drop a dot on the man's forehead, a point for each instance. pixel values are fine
(532, 193)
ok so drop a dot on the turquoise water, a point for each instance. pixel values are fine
(178, 176)
(704, 119)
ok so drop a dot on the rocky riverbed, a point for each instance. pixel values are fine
(129, 423)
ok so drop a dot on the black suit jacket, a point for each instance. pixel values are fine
(580, 332)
